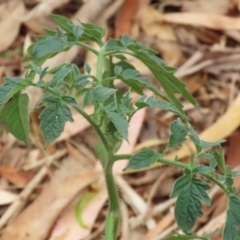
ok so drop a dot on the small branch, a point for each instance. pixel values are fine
(94, 125)
(88, 47)
(176, 164)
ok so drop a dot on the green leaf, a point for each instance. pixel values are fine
(60, 76)
(117, 70)
(65, 23)
(10, 88)
(151, 102)
(53, 120)
(69, 100)
(230, 231)
(125, 106)
(50, 99)
(126, 40)
(77, 31)
(195, 139)
(219, 157)
(15, 115)
(120, 123)
(143, 159)
(163, 74)
(92, 32)
(88, 98)
(87, 68)
(100, 93)
(211, 158)
(130, 76)
(205, 144)
(178, 133)
(50, 45)
(203, 169)
(190, 191)
(200, 144)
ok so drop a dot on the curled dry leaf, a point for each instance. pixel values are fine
(11, 14)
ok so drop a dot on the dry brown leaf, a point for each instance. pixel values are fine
(206, 6)
(213, 21)
(233, 152)
(165, 36)
(11, 13)
(15, 176)
(161, 226)
(36, 221)
(44, 8)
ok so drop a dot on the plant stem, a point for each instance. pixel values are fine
(82, 44)
(100, 62)
(94, 125)
(113, 216)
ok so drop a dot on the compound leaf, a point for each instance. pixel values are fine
(163, 74)
(190, 192)
(53, 120)
(15, 115)
(143, 159)
(230, 231)
(178, 133)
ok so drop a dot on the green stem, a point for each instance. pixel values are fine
(113, 216)
(176, 164)
(100, 65)
(94, 125)
(82, 44)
